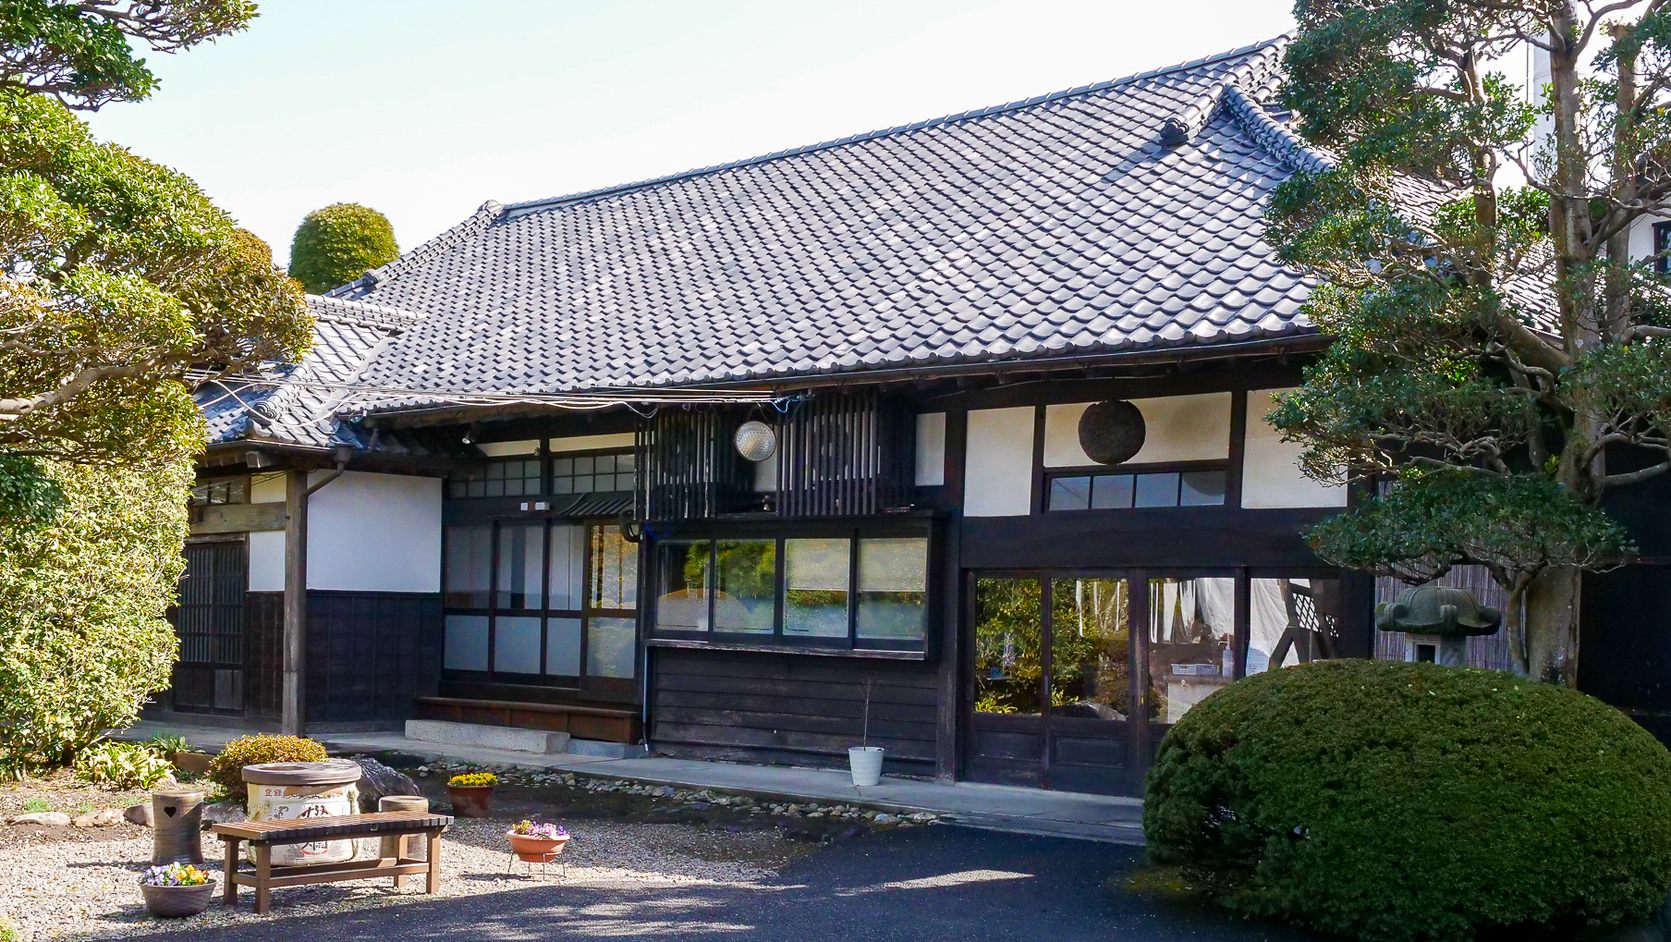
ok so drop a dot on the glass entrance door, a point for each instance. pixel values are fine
(1052, 684)
(1077, 676)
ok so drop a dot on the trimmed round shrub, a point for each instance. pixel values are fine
(1396, 801)
(228, 767)
(338, 244)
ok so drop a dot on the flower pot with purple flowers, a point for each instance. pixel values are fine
(533, 842)
(176, 890)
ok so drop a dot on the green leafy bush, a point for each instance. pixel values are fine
(83, 640)
(338, 244)
(1398, 801)
(228, 767)
(121, 765)
(166, 746)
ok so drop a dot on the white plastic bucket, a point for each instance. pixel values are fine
(280, 791)
(866, 762)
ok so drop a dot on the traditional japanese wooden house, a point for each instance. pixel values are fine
(954, 431)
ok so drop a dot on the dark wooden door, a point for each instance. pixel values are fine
(209, 620)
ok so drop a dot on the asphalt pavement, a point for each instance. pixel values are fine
(942, 883)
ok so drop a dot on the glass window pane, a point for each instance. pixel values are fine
(562, 647)
(496, 471)
(493, 488)
(604, 464)
(1292, 621)
(521, 557)
(1111, 492)
(568, 557)
(1070, 493)
(625, 482)
(516, 645)
(1201, 489)
(614, 569)
(610, 650)
(815, 583)
(893, 580)
(626, 462)
(1157, 490)
(1191, 627)
(682, 587)
(562, 466)
(562, 485)
(745, 595)
(469, 565)
(1090, 647)
(478, 488)
(514, 487)
(465, 645)
(584, 484)
(1008, 637)
(583, 465)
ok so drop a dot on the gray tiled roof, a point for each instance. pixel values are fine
(1067, 224)
(294, 404)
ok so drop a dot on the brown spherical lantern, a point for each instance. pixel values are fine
(1111, 432)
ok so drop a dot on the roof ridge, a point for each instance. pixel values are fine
(516, 209)
(464, 231)
(1273, 135)
(1186, 124)
(362, 313)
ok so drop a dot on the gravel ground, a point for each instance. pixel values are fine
(78, 889)
(73, 883)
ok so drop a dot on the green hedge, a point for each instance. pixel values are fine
(1411, 801)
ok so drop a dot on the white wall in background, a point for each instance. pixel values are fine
(267, 488)
(998, 464)
(375, 533)
(589, 442)
(266, 561)
(1176, 428)
(931, 449)
(1271, 476)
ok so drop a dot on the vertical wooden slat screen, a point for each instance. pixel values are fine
(846, 455)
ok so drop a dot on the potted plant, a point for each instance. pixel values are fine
(176, 889)
(185, 757)
(534, 842)
(865, 760)
(471, 793)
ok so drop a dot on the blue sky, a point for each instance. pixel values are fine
(424, 109)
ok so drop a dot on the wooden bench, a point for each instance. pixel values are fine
(264, 835)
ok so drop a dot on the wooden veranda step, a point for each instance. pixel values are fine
(605, 724)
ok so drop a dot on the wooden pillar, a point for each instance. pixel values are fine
(295, 598)
(951, 687)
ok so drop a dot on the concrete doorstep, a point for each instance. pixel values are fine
(990, 807)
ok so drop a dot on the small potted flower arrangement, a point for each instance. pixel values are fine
(471, 793)
(176, 889)
(534, 842)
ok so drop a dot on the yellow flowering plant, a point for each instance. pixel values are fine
(473, 780)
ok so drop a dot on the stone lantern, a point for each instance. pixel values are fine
(1439, 619)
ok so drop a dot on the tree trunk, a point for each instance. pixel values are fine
(1551, 627)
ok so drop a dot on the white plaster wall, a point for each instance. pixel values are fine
(509, 449)
(998, 466)
(266, 561)
(1176, 428)
(1271, 475)
(267, 488)
(375, 533)
(1642, 236)
(588, 442)
(931, 449)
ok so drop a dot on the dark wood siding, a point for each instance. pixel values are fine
(790, 708)
(369, 654)
(264, 654)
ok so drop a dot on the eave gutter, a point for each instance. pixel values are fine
(1303, 343)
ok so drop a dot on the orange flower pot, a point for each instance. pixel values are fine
(531, 849)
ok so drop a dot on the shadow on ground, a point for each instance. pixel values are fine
(939, 883)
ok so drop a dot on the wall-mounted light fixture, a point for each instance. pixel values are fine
(755, 440)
